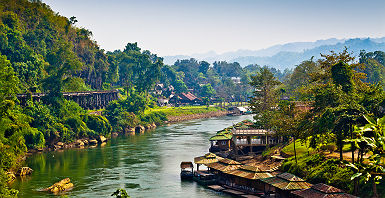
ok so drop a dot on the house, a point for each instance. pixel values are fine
(158, 89)
(189, 98)
(163, 101)
(236, 80)
(221, 141)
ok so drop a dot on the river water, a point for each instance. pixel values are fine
(146, 165)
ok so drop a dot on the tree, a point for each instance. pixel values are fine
(204, 67)
(207, 91)
(265, 97)
(63, 62)
(287, 122)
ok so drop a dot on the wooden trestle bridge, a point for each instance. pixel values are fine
(87, 99)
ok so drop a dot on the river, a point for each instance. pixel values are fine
(146, 165)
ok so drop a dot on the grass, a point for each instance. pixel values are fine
(231, 104)
(185, 110)
(299, 147)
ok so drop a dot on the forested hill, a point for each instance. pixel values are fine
(37, 41)
(290, 54)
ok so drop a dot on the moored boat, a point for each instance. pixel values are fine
(187, 170)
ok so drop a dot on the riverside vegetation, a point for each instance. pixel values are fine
(341, 128)
(41, 51)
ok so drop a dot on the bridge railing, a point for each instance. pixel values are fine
(86, 99)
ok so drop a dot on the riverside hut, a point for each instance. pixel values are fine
(224, 165)
(283, 184)
(247, 139)
(246, 178)
(321, 191)
(221, 141)
(206, 159)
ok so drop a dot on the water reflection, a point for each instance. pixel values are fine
(146, 165)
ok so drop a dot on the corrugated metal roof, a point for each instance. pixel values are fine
(285, 184)
(221, 137)
(249, 174)
(317, 194)
(326, 188)
(289, 177)
(207, 159)
(222, 167)
(229, 161)
(251, 168)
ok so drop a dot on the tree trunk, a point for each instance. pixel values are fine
(353, 146)
(355, 191)
(375, 194)
(353, 149)
(295, 152)
(340, 145)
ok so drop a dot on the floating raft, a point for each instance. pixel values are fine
(234, 192)
(216, 188)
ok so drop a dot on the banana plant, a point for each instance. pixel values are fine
(370, 139)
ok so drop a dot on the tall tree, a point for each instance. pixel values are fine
(265, 96)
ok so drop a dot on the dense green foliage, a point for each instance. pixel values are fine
(317, 169)
(337, 95)
(41, 51)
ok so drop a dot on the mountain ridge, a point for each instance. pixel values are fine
(287, 55)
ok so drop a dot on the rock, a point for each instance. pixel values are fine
(85, 142)
(140, 129)
(24, 171)
(60, 186)
(60, 144)
(130, 130)
(79, 143)
(148, 127)
(11, 177)
(153, 125)
(114, 134)
(102, 139)
(93, 141)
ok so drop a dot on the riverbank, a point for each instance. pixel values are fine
(144, 164)
(181, 118)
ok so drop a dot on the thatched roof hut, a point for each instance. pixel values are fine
(284, 183)
(224, 165)
(249, 172)
(207, 159)
(322, 191)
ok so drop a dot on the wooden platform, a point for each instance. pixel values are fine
(233, 192)
(216, 188)
(249, 196)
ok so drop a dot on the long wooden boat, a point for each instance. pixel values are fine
(187, 170)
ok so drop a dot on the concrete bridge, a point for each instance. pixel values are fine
(87, 99)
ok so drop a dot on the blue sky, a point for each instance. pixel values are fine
(170, 27)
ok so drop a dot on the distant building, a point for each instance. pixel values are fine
(163, 101)
(185, 99)
(236, 80)
(189, 98)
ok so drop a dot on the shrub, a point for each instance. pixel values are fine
(33, 138)
(99, 124)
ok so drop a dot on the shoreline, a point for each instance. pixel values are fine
(171, 120)
(176, 119)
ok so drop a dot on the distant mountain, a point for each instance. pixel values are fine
(290, 54)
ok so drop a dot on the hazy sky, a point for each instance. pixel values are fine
(170, 27)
